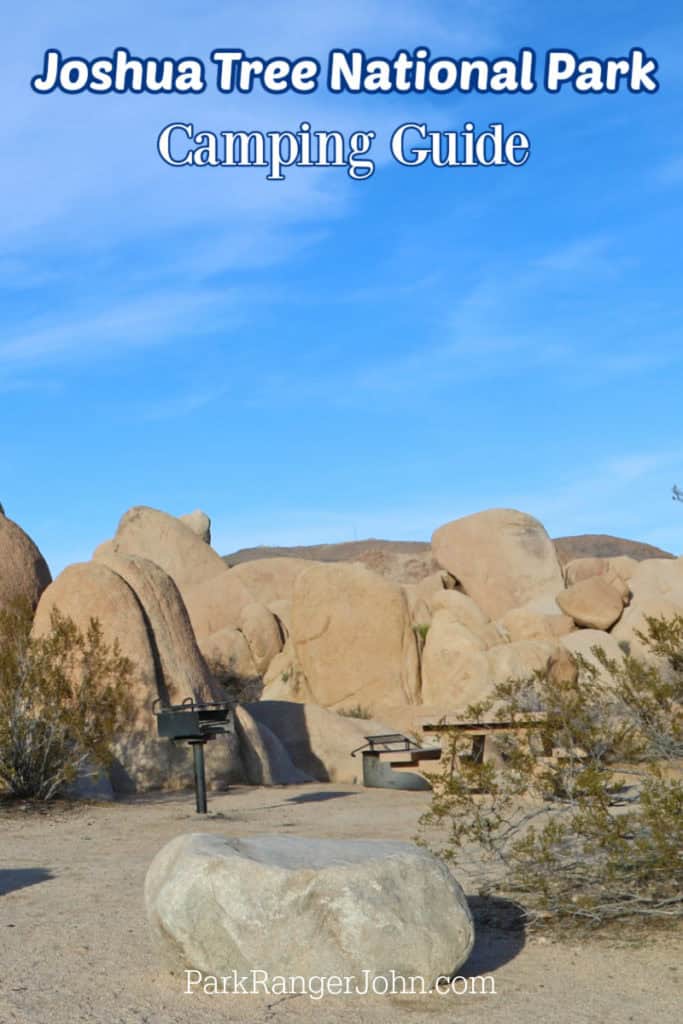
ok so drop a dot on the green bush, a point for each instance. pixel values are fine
(358, 711)
(63, 698)
(580, 817)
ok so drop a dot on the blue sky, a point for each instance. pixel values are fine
(320, 359)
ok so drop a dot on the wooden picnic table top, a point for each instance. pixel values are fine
(453, 723)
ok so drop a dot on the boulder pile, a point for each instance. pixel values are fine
(305, 641)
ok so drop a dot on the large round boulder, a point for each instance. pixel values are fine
(353, 637)
(501, 557)
(24, 574)
(303, 907)
(592, 602)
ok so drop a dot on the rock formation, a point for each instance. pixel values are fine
(312, 638)
(24, 574)
(296, 906)
(501, 557)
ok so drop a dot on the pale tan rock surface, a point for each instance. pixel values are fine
(319, 742)
(353, 637)
(24, 573)
(183, 669)
(216, 603)
(199, 523)
(265, 758)
(434, 584)
(634, 621)
(460, 608)
(616, 571)
(522, 659)
(307, 907)
(503, 558)
(262, 632)
(658, 577)
(582, 641)
(525, 624)
(657, 586)
(228, 655)
(285, 679)
(455, 667)
(94, 590)
(282, 610)
(271, 579)
(164, 539)
(593, 603)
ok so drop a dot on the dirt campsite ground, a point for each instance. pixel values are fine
(74, 944)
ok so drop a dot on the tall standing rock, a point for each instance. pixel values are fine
(182, 668)
(502, 558)
(23, 570)
(353, 638)
(152, 638)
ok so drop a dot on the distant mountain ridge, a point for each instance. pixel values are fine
(602, 545)
(409, 561)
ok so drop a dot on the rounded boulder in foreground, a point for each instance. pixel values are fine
(290, 905)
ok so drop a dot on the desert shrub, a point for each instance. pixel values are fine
(580, 815)
(358, 711)
(63, 698)
(244, 689)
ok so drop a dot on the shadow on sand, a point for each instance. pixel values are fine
(311, 798)
(499, 935)
(19, 878)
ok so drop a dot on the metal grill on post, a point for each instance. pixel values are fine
(196, 723)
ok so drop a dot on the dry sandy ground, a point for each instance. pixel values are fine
(74, 945)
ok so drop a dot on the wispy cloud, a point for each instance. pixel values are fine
(129, 323)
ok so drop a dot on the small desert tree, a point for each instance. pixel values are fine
(63, 698)
(580, 817)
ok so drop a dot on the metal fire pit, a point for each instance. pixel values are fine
(196, 723)
(392, 761)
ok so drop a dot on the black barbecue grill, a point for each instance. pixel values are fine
(195, 722)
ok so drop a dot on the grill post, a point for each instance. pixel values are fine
(199, 775)
(195, 722)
